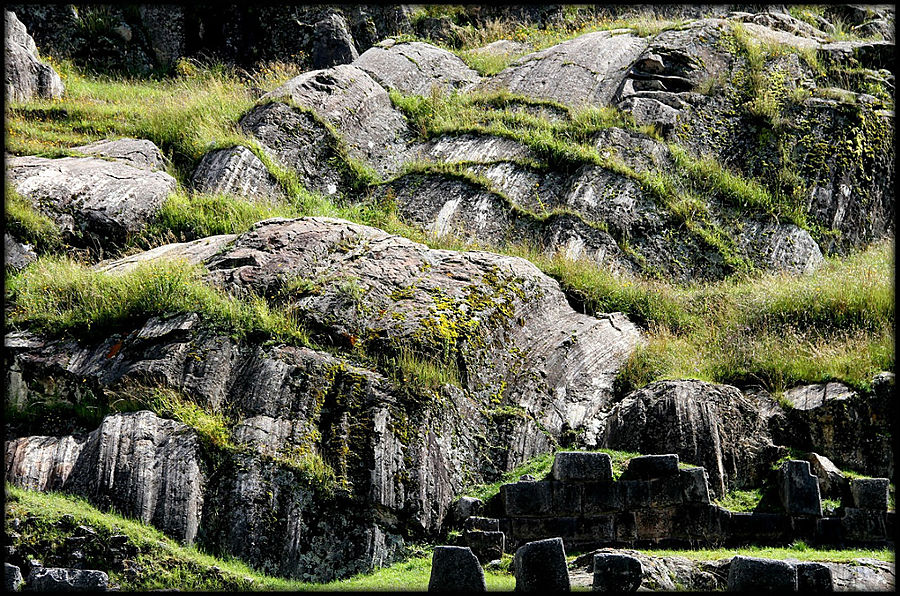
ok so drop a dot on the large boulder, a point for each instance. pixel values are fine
(91, 199)
(332, 43)
(714, 426)
(586, 70)
(455, 569)
(139, 153)
(359, 109)
(58, 579)
(540, 566)
(26, 76)
(401, 450)
(850, 428)
(414, 68)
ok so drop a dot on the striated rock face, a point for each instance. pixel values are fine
(139, 153)
(91, 199)
(235, 171)
(26, 76)
(402, 455)
(141, 465)
(584, 70)
(358, 107)
(714, 426)
(851, 429)
(415, 67)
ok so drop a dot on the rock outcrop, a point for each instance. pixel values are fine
(235, 171)
(403, 454)
(139, 153)
(91, 199)
(415, 67)
(26, 76)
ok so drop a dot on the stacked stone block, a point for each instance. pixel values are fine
(658, 502)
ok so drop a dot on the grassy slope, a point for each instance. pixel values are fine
(164, 564)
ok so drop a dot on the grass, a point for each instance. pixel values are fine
(28, 225)
(798, 550)
(162, 563)
(58, 295)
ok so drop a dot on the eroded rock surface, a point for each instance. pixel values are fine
(235, 171)
(139, 153)
(414, 68)
(358, 107)
(91, 199)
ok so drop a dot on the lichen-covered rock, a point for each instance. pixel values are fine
(139, 153)
(26, 76)
(779, 247)
(757, 574)
(235, 171)
(58, 579)
(91, 199)
(144, 466)
(414, 68)
(540, 566)
(584, 70)
(714, 426)
(358, 107)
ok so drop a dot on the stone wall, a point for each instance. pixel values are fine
(658, 502)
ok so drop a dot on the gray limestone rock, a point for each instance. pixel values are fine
(616, 573)
(814, 577)
(714, 426)
(540, 566)
(332, 43)
(144, 466)
(799, 489)
(358, 107)
(584, 70)
(832, 482)
(464, 508)
(761, 575)
(414, 68)
(47, 579)
(17, 254)
(455, 569)
(300, 142)
(91, 199)
(779, 247)
(26, 76)
(235, 171)
(139, 153)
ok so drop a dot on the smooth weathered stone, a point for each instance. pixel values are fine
(870, 493)
(91, 197)
(616, 573)
(864, 525)
(235, 171)
(832, 482)
(579, 466)
(332, 43)
(584, 70)
(540, 566)
(48, 579)
(455, 569)
(487, 545)
(26, 76)
(814, 577)
(144, 466)
(358, 107)
(415, 68)
(12, 578)
(139, 153)
(651, 466)
(799, 489)
(761, 575)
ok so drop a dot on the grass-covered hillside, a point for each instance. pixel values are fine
(418, 299)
